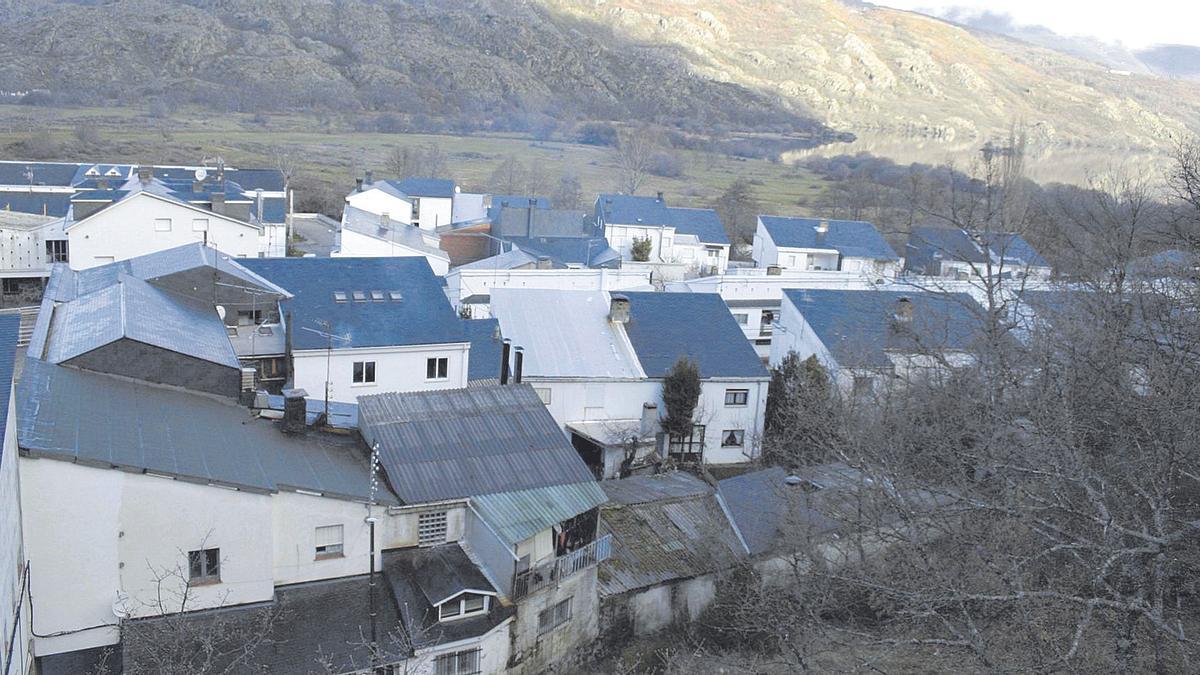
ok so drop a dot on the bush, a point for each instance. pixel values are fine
(598, 133)
(666, 164)
(641, 249)
(681, 394)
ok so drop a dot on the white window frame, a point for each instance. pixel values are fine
(162, 224)
(199, 224)
(209, 571)
(742, 318)
(459, 604)
(740, 434)
(441, 365)
(451, 663)
(544, 393)
(369, 368)
(735, 393)
(329, 541)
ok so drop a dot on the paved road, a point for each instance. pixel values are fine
(315, 234)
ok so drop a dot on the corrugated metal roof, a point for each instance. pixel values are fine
(641, 489)
(468, 442)
(566, 333)
(90, 418)
(517, 516)
(851, 238)
(664, 540)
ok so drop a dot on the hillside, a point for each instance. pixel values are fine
(801, 68)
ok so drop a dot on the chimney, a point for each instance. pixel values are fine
(649, 425)
(904, 310)
(259, 197)
(823, 227)
(544, 263)
(370, 176)
(660, 197)
(218, 203)
(385, 221)
(618, 308)
(143, 174)
(774, 270)
(247, 388)
(294, 410)
(518, 364)
(358, 185)
(504, 350)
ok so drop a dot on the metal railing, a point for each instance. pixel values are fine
(551, 572)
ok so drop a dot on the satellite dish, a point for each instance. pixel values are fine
(201, 174)
(120, 606)
(221, 311)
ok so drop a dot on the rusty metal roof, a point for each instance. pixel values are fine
(517, 516)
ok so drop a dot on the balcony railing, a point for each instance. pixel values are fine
(562, 567)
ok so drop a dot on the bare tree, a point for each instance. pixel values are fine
(635, 155)
(567, 193)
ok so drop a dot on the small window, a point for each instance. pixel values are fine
(12, 286)
(364, 372)
(340, 296)
(204, 566)
(737, 397)
(249, 317)
(467, 604)
(732, 438)
(543, 393)
(162, 224)
(396, 296)
(103, 259)
(329, 541)
(56, 250)
(376, 296)
(553, 617)
(466, 662)
(431, 528)
(360, 296)
(199, 224)
(437, 368)
(742, 318)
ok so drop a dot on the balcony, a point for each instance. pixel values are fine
(563, 567)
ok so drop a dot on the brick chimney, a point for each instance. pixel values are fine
(295, 409)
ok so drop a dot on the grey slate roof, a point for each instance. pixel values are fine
(484, 360)
(590, 252)
(442, 572)
(57, 174)
(666, 326)
(704, 224)
(371, 225)
(859, 327)
(10, 325)
(1014, 249)
(928, 246)
(135, 310)
(423, 315)
(96, 419)
(425, 187)
(54, 204)
(515, 516)
(663, 486)
(459, 443)
(658, 539)
(511, 259)
(763, 507)
(850, 238)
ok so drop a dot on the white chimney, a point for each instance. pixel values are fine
(618, 308)
(823, 227)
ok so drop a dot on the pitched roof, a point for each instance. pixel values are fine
(658, 487)
(850, 238)
(421, 315)
(524, 221)
(1013, 249)
(518, 515)
(666, 326)
(514, 258)
(10, 325)
(484, 359)
(704, 224)
(928, 246)
(763, 506)
(372, 225)
(59, 174)
(54, 204)
(425, 187)
(589, 252)
(460, 443)
(585, 345)
(860, 327)
(661, 539)
(104, 421)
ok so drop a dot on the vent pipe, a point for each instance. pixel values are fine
(505, 347)
(358, 182)
(518, 364)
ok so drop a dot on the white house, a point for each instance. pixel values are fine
(364, 234)
(869, 339)
(955, 253)
(683, 241)
(17, 657)
(598, 360)
(471, 285)
(367, 325)
(381, 198)
(813, 244)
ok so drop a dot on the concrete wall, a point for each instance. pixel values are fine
(662, 241)
(379, 202)
(640, 613)
(494, 652)
(357, 245)
(127, 230)
(24, 251)
(461, 283)
(536, 653)
(396, 369)
(430, 213)
(14, 605)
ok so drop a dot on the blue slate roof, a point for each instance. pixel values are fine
(928, 246)
(705, 224)
(270, 180)
(471, 442)
(589, 252)
(859, 327)
(851, 238)
(666, 326)
(1014, 249)
(41, 203)
(425, 187)
(10, 325)
(422, 315)
(96, 419)
(274, 210)
(519, 201)
(484, 361)
(44, 173)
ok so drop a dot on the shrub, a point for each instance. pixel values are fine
(641, 249)
(681, 394)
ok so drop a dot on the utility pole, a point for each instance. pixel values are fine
(373, 613)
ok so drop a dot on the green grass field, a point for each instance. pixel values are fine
(331, 153)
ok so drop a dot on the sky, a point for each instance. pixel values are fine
(1134, 24)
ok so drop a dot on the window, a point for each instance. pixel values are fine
(764, 326)
(56, 250)
(376, 296)
(465, 662)
(467, 604)
(543, 393)
(431, 528)
(249, 317)
(162, 224)
(359, 296)
(204, 566)
(12, 286)
(199, 224)
(553, 617)
(329, 541)
(437, 368)
(742, 319)
(737, 396)
(732, 438)
(339, 296)
(364, 372)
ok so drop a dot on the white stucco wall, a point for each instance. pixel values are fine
(14, 607)
(494, 649)
(379, 202)
(356, 245)
(462, 283)
(662, 241)
(432, 212)
(396, 369)
(127, 230)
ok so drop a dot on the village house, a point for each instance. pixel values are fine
(470, 237)
(869, 339)
(598, 359)
(363, 234)
(820, 245)
(470, 286)
(684, 242)
(955, 253)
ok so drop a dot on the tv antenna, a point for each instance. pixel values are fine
(327, 333)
